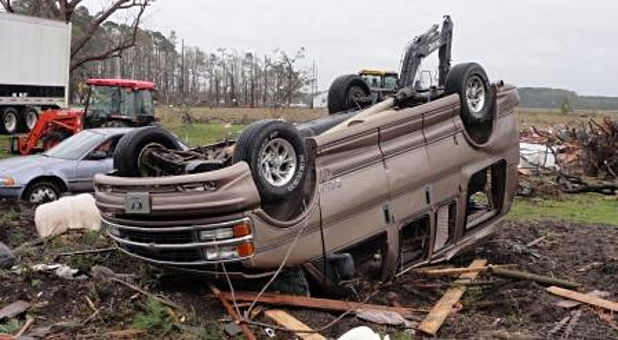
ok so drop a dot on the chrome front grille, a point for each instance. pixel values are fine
(177, 245)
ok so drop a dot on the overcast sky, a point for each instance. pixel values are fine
(556, 43)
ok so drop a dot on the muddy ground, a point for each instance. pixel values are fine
(503, 308)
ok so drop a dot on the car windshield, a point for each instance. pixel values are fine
(76, 146)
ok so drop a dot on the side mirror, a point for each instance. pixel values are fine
(97, 155)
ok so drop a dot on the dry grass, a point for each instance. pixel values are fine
(237, 115)
(544, 118)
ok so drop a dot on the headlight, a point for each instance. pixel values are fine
(241, 229)
(7, 182)
(229, 252)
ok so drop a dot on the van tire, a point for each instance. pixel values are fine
(470, 82)
(130, 147)
(276, 156)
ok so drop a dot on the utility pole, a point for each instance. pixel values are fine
(182, 69)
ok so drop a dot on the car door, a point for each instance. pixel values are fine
(94, 163)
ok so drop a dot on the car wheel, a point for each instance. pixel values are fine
(470, 82)
(276, 156)
(42, 192)
(130, 153)
(29, 119)
(10, 120)
(346, 92)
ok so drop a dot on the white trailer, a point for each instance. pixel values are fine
(34, 69)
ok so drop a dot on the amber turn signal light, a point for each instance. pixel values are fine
(242, 229)
(245, 249)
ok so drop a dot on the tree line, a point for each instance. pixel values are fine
(102, 48)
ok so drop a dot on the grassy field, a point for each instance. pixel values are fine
(579, 208)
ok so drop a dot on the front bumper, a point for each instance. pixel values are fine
(11, 193)
(185, 212)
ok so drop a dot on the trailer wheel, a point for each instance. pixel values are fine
(28, 119)
(130, 155)
(9, 122)
(346, 92)
(470, 82)
(276, 156)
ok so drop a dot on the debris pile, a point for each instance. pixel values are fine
(578, 159)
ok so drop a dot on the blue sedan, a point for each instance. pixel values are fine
(68, 167)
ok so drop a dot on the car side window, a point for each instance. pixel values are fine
(105, 150)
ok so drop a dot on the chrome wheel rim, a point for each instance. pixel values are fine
(475, 94)
(277, 162)
(43, 194)
(10, 121)
(31, 119)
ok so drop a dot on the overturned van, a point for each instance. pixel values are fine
(414, 179)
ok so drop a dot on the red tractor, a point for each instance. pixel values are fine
(110, 103)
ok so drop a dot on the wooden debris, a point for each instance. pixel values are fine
(24, 328)
(232, 312)
(131, 333)
(443, 308)
(530, 244)
(455, 271)
(545, 280)
(569, 304)
(14, 309)
(590, 266)
(587, 299)
(140, 290)
(569, 329)
(317, 303)
(288, 321)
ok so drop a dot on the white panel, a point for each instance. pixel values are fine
(442, 227)
(33, 51)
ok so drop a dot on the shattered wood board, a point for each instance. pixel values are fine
(288, 321)
(569, 304)
(443, 308)
(587, 299)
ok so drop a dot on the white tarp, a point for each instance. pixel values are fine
(532, 156)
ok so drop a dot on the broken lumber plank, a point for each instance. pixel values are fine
(570, 304)
(288, 321)
(230, 310)
(316, 303)
(455, 271)
(443, 308)
(587, 299)
(545, 280)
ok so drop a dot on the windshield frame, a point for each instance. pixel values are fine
(79, 153)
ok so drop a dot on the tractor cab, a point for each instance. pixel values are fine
(380, 81)
(119, 103)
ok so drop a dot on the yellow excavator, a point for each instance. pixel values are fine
(356, 91)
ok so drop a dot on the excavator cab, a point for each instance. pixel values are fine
(119, 103)
(379, 80)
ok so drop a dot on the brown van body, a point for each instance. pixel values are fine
(370, 180)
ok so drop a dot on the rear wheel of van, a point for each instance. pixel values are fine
(9, 121)
(276, 156)
(470, 82)
(348, 92)
(130, 155)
